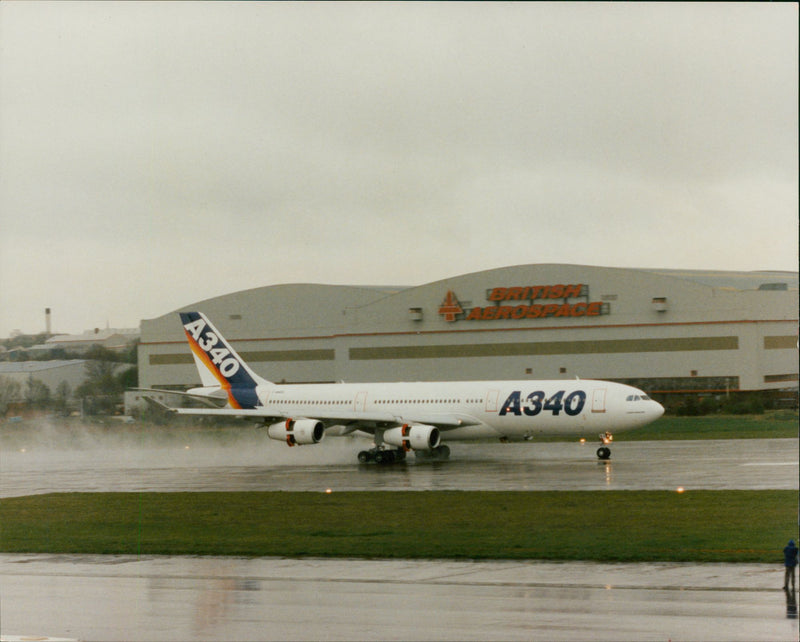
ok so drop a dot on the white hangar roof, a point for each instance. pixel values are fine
(305, 310)
(734, 280)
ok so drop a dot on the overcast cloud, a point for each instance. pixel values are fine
(156, 154)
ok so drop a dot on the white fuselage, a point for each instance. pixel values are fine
(474, 410)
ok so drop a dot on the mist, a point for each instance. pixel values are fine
(47, 455)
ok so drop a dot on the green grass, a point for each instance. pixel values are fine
(697, 526)
(772, 425)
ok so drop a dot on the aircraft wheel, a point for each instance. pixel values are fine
(443, 452)
(603, 453)
(381, 457)
(363, 457)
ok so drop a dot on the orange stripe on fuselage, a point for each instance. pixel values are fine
(223, 382)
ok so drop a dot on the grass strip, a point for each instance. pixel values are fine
(774, 425)
(631, 526)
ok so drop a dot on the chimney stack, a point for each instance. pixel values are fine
(47, 324)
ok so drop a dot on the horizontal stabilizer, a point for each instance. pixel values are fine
(158, 405)
(214, 400)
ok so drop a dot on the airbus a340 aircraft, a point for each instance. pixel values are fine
(409, 416)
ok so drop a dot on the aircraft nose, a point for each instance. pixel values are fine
(656, 410)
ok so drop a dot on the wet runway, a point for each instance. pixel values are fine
(152, 598)
(251, 462)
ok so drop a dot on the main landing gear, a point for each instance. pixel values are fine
(392, 455)
(381, 455)
(604, 452)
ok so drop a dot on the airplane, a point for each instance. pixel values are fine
(403, 417)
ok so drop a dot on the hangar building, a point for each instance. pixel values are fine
(665, 331)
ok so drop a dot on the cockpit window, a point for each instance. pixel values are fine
(637, 398)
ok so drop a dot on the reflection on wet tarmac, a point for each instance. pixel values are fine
(154, 598)
(791, 603)
(247, 465)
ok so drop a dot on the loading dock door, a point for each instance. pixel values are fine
(599, 400)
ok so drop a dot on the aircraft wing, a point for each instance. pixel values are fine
(352, 419)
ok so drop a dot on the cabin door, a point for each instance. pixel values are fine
(599, 400)
(491, 400)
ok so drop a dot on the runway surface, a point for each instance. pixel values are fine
(129, 598)
(153, 598)
(251, 462)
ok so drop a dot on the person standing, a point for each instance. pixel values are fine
(790, 562)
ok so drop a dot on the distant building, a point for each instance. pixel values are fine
(51, 373)
(117, 340)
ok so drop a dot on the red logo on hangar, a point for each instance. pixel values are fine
(450, 307)
(513, 303)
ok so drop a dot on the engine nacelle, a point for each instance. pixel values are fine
(413, 436)
(297, 431)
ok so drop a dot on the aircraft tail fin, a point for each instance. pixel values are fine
(218, 363)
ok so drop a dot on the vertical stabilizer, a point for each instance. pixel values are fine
(218, 363)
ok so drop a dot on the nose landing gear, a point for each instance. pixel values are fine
(604, 452)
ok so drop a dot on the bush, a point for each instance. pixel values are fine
(751, 405)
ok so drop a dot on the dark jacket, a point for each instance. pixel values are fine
(790, 555)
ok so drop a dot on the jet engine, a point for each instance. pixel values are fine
(297, 431)
(413, 436)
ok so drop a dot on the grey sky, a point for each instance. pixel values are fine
(156, 154)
